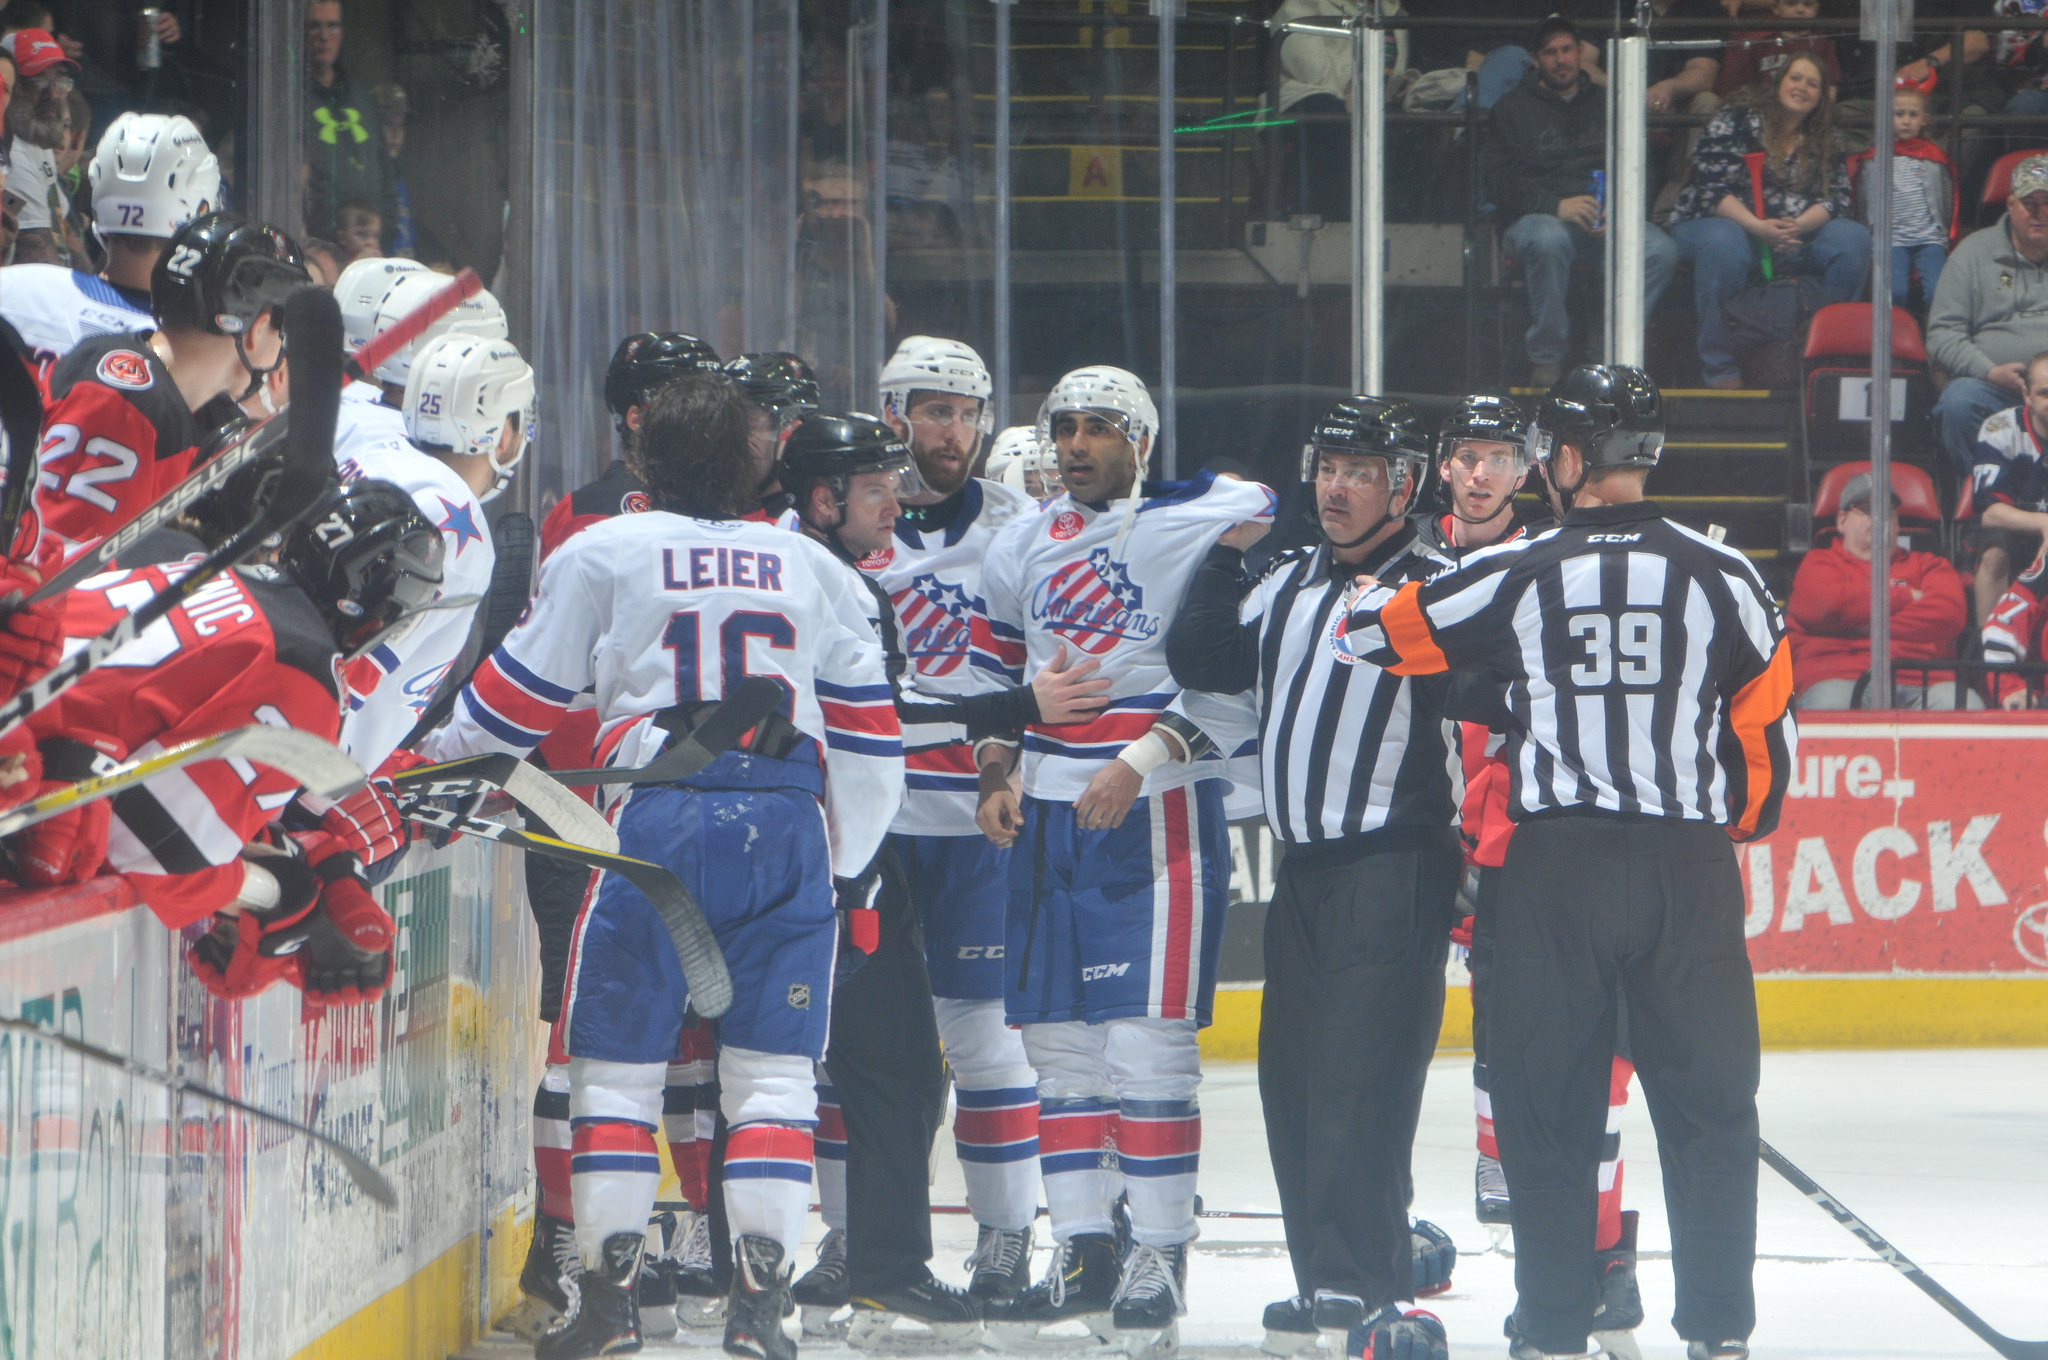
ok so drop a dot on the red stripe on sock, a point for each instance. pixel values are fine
(768, 1142)
(1159, 1137)
(996, 1126)
(1608, 1232)
(551, 1166)
(611, 1135)
(1180, 907)
(1617, 1082)
(1074, 1132)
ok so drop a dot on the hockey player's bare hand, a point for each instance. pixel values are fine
(1067, 693)
(1242, 536)
(999, 816)
(1108, 797)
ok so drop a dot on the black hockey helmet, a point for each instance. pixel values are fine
(1493, 419)
(368, 560)
(830, 447)
(645, 362)
(219, 274)
(225, 510)
(1612, 415)
(1371, 427)
(780, 384)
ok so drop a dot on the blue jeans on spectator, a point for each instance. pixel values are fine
(1927, 261)
(1499, 71)
(1961, 410)
(1722, 254)
(1546, 247)
(2033, 102)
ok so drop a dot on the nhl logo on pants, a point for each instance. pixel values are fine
(800, 995)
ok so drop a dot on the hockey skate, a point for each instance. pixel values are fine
(1333, 1315)
(942, 1317)
(604, 1314)
(822, 1291)
(658, 1279)
(1518, 1349)
(1490, 1198)
(1620, 1310)
(1001, 1263)
(1717, 1350)
(1151, 1298)
(759, 1301)
(550, 1258)
(1290, 1327)
(1434, 1257)
(1080, 1287)
(700, 1303)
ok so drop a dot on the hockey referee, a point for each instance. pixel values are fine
(1355, 770)
(1649, 682)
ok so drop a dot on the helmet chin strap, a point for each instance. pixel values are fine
(256, 375)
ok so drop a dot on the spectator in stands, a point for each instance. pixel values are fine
(2015, 631)
(344, 160)
(1990, 314)
(2011, 486)
(1759, 57)
(1924, 207)
(1829, 613)
(1546, 138)
(392, 110)
(1681, 81)
(1315, 79)
(359, 231)
(38, 116)
(1782, 137)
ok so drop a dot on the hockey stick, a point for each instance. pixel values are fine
(511, 591)
(754, 699)
(1896, 1259)
(696, 947)
(321, 767)
(567, 817)
(360, 1171)
(21, 431)
(313, 328)
(247, 446)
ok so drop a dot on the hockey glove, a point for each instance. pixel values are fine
(347, 956)
(248, 951)
(856, 897)
(31, 636)
(21, 766)
(1397, 1334)
(366, 823)
(1434, 1258)
(67, 848)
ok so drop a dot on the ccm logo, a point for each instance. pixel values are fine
(1614, 538)
(1104, 970)
(975, 951)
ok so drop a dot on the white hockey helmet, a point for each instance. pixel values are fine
(461, 390)
(1007, 452)
(924, 363)
(360, 290)
(1112, 393)
(151, 175)
(479, 315)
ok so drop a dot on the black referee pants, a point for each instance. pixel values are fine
(1354, 997)
(1590, 909)
(884, 1062)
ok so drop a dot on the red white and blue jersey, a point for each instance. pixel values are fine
(656, 609)
(933, 578)
(391, 686)
(1059, 576)
(54, 308)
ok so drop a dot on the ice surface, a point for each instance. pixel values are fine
(1945, 1152)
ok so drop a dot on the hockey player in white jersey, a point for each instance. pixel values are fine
(151, 174)
(1020, 462)
(1118, 884)
(662, 614)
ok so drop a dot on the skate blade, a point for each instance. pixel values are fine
(700, 1314)
(1289, 1343)
(877, 1332)
(820, 1325)
(658, 1320)
(1619, 1345)
(1037, 1338)
(529, 1319)
(1497, 1236)
(1148, 1343)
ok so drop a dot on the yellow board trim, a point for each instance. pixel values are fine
(1793, 1012)
(429, 1317)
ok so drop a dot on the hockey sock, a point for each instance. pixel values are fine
(768, 1182)
(831, 1156)
(1482, 1108)
(1609, 1230)
(1159, 1146)
(689, 1110)
(995, 1133)
(551, 1143)
(1077, 1157)
(614, 1173)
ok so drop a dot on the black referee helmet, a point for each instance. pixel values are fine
(1612, 415)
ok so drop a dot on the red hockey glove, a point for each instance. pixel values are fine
(67, 848)
(857, 904)
(32, 636)
(347, 956)
(366, 823)
(1461, 933)
(1396, 1333)
(247, 952)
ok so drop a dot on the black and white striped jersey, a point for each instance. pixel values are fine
(1345, 748)
(1647, 669)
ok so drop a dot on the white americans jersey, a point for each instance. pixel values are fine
(933, 578)
(54, 308)
(657, 608)
(391, 686)
(1051, 577)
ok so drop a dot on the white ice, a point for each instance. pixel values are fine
(1944, 1152)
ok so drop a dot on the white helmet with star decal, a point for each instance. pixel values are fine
(461, 391)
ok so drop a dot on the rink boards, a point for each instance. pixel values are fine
(129, 1227)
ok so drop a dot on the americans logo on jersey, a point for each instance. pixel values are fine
(1093, 604)
(934, 617)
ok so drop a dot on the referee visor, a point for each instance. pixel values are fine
(1612, 448)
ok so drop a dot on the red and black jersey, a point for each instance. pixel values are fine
(247, 648)
(117, 434)
(618, 492)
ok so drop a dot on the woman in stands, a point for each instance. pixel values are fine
(1768, 184)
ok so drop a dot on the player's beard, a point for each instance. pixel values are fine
(27, 120)
(942, 482)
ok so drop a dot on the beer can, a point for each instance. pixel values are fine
(149, 49)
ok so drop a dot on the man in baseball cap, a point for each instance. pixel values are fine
(37, 119)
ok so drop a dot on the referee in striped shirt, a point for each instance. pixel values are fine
(1649, 686)
(1355, 768)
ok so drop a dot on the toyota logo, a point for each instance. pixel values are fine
(2030, 935)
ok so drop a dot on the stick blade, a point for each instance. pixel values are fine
(750, 703)
(324, 768)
